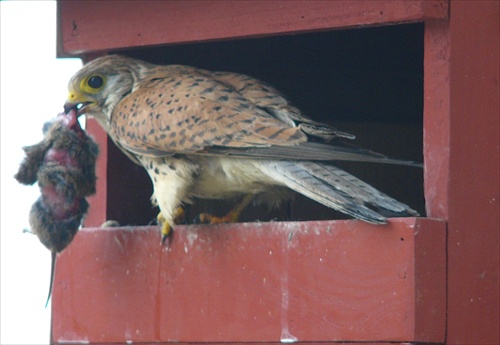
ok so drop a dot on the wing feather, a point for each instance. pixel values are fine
(302, 181)
(186, 112)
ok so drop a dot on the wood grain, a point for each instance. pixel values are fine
(90, 26)
(260, 282)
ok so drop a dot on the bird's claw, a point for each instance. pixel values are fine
(231, 217)
(207, 218)
(166, 228)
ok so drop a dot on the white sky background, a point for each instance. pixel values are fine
(33, 90)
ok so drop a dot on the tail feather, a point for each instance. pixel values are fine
(297, 178)
(355, 187)
(336, 189)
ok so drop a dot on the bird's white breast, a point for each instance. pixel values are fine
(221, 177)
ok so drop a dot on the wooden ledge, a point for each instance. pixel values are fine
(85, 27)
(254, 282)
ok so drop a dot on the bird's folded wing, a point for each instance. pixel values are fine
(188, 113)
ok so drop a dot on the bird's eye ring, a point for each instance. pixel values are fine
(95, 82)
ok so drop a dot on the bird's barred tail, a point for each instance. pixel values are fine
(336, 189)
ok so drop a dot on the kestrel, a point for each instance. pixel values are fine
(219, 135)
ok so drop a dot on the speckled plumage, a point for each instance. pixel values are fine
(218, 135)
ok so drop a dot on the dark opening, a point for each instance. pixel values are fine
(366, 81)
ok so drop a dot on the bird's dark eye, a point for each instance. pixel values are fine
(95, 82)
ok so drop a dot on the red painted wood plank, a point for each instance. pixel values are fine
(474, 212)
(254, 282)
(90, 26)
(278, 342)
(98, 202)
(436, 118)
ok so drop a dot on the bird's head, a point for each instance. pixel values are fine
(101, 84)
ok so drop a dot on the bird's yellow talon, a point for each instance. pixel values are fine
(166, 228)
(179, 215)
(231, 217)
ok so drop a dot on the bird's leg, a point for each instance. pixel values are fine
(166, 228)
(231, 217)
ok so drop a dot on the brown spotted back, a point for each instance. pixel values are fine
(181, 109)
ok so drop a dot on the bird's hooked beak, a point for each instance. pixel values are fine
(78, 102)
